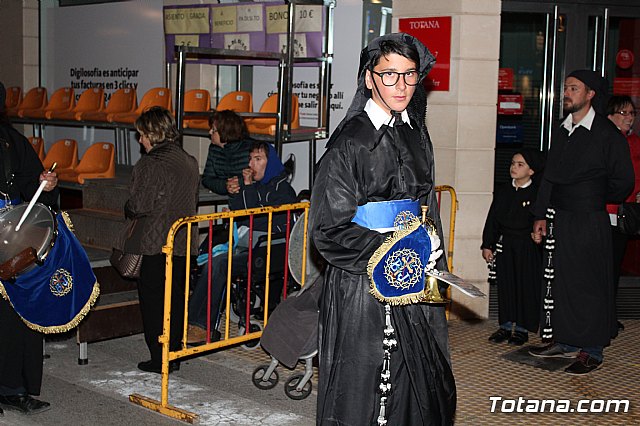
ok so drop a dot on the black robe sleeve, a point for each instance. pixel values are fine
(341, 242)
(26, 167)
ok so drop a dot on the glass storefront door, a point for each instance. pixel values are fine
(532, 49)
(540, 43)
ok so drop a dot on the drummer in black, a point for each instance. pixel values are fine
(21, 348)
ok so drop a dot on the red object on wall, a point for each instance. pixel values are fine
(510, 104)
(435, 33)
(624, 59)
(505, 79)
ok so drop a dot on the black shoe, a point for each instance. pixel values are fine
(620, 326)
(519, 338)
(24, 404)
(500, 336)
(152, 367)
(583, 365)
(552, 350)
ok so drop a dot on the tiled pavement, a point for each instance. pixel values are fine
(218, 386)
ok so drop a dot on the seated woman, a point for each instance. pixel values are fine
(263, 183)
(228, 152)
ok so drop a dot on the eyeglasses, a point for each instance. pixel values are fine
(214, 130)
(626, 113)
(390, 78)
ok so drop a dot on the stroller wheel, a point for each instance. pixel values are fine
(253, 327)
(264, 383)
(291, 387)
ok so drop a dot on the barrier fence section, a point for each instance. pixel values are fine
(247, 333)
(250, 332)
(452, 220)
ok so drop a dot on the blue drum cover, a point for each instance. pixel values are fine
(55, 297)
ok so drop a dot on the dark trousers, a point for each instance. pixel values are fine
(151, 295)
(619, 245)
(20, 354)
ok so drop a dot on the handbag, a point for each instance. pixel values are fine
(127, 264)
(629, 218)
(125, 260)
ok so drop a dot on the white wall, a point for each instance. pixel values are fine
(110, 38)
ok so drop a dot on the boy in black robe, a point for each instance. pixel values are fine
(518, 260)
(588, 165)
(381, 151)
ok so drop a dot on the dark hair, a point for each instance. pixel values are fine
(230, 126)
(4, 117)
(617, 102)
(388, 47)
(260, 146)
(158, 125)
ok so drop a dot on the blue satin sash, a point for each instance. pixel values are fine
(382, 216)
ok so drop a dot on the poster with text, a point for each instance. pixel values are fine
(122, 46)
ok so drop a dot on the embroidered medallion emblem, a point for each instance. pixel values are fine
(61, 282)
(403, 219)
(403, 268)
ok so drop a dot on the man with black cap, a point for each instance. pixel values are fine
(588, 166)
(20, 347)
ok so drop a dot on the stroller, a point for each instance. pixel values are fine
(292, 334)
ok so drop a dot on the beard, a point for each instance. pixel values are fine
(570, 107)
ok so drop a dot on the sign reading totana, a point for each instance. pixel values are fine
(186, 21)
(435, 33)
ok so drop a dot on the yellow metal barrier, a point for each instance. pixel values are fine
(452, 220)
(163, 405)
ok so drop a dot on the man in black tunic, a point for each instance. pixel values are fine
(380, 152)
(20, 347)
(588, 166)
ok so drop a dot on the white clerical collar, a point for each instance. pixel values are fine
(379, 116)
(586, 121)
(513, 182)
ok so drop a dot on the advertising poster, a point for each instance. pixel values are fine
(122, 46)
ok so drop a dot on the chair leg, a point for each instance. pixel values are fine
(83, 357)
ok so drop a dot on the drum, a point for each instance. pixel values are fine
(38, 232)
(315, 262)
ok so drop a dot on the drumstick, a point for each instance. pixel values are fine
(35, 198)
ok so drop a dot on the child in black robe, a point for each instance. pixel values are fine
(518, 260)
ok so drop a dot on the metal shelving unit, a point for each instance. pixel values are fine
(286, 63)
